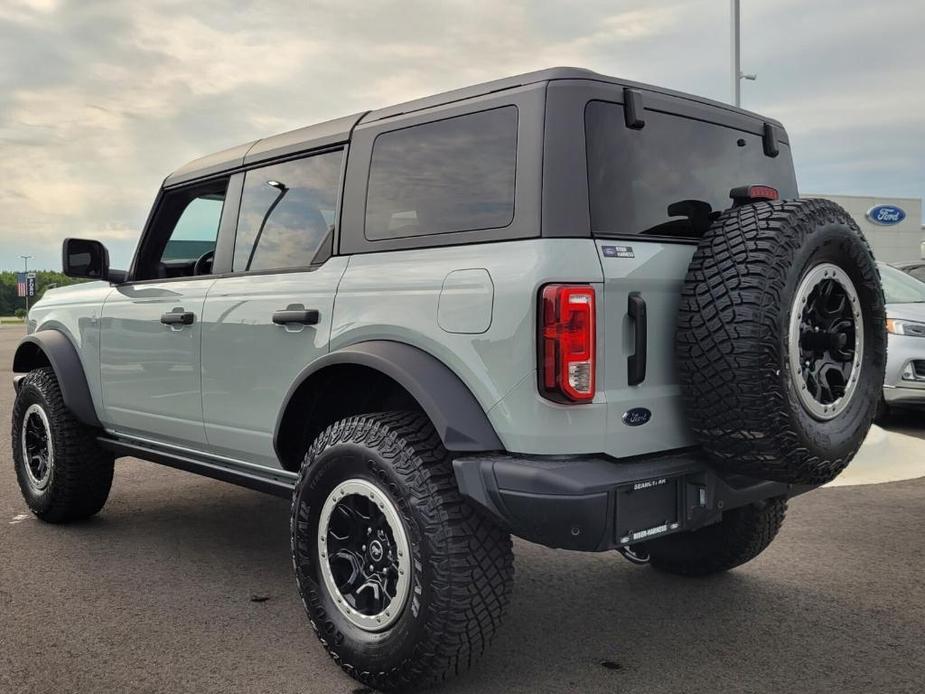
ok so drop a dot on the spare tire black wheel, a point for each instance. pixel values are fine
(781, 341)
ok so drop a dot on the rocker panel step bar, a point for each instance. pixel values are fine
(277, 482)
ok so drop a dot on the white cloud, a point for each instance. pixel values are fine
(27, 10)
(100, 100)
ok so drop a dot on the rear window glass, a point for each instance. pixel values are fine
(689, 166)
(450, 175)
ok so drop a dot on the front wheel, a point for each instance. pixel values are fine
(404, 582)
(63, 473)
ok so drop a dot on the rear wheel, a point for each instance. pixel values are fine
(405, 582)
(63, 473)
(740, 536)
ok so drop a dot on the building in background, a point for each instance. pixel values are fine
(892, 226)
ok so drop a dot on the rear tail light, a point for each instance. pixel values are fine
(566, 342)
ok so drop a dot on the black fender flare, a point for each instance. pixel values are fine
(64, 360)
(457, 416)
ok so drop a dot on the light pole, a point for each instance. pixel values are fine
(736, 73)
(25, 260)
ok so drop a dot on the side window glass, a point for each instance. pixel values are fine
(287, 214)
(196, 230)
(455, 174)
(181, 239)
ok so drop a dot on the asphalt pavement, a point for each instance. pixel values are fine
(184, 584)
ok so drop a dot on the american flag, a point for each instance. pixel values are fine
(21, 284)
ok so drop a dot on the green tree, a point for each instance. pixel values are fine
(9, 301)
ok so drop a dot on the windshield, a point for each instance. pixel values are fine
(900, 288)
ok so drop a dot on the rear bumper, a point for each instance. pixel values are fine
(596, 504)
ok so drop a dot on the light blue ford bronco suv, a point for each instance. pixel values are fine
(590, 313)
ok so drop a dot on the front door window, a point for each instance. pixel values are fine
(182, 238)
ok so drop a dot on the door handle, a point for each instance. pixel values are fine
(178, 318)
(303, 316)
(636, 363)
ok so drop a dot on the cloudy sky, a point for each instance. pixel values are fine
(100, 100)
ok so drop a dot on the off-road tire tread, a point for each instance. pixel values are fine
(472, 575)
(732, 301)
(739, 537)
(83, 470)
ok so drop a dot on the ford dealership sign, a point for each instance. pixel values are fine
(886, 215)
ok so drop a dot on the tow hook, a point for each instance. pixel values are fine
(635, 555)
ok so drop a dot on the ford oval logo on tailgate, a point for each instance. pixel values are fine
(886, 215)
(636, 417)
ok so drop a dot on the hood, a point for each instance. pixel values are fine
(72, 292)
(914, 312)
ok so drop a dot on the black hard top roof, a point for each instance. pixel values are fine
(338, 131)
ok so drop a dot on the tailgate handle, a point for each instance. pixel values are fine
(636, 363)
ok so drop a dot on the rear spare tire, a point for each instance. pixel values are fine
(781, 341)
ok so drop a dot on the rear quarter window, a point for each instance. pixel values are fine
(690, 165)
(445, 176)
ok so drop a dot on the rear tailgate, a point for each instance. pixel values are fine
(654, 272)
(654, 188)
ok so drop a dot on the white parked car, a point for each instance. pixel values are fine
(905, 323)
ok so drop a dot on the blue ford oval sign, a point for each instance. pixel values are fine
(636, 417)
(886, 215)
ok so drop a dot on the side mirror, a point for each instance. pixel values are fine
(88, 258)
